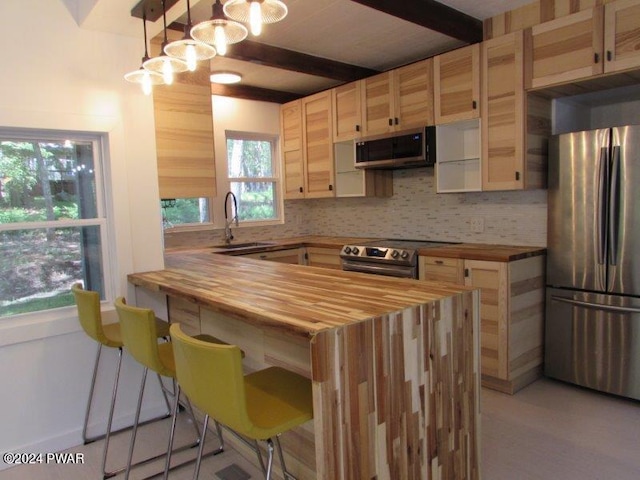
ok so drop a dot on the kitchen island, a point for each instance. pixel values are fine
(394, 363)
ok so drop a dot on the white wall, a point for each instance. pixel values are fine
(58, 76)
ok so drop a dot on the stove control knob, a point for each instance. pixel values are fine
(347, 250)
(355, 250)
(404, 255)
(394, 253)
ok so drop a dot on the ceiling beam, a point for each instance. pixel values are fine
(152, 9)
(270, 56)
(433, 15)
(253, 93)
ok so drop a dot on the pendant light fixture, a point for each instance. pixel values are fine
(255, 12)
(188, 49)
(142, 76)
(219, 31)
(165, 64)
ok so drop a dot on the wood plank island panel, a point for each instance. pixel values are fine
(407, 397)
(394, 363)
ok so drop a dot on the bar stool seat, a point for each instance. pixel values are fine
(105, 335)
(140, 339)
(261, 405)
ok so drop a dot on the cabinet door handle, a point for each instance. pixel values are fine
(438, 262)
(390, 122)
(609, 55)
(474, 104)
(330, 187)
(397, 121)
(357, 128)
(596, 57)
(466, 272)
(301, 190)
(517, 176)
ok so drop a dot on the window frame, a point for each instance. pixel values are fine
(103, 220)
(276, 179)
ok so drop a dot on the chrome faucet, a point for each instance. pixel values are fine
(228, 236)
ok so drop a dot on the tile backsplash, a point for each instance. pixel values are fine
(414, 212)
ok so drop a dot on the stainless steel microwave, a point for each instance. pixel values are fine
(410, 148)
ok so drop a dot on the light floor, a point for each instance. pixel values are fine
(548, 430)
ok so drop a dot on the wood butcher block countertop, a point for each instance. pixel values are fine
(480, 251)
(469, 251)
(295, 299)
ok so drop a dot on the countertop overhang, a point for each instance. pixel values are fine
(294, 299)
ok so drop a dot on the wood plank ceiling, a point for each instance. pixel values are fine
(428, 14)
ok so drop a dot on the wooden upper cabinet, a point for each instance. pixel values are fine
(515, 126)
(317, 145)
(291, 141)
(457, 85)
(377, 104)
(399, 99)
(347, 112)
(291, 126)
(184, 140)
(413, 100)
(503, 113)
(564, 50)
(622, 35)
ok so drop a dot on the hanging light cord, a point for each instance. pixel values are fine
(144, 28)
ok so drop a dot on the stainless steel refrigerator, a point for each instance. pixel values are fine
(592, 326)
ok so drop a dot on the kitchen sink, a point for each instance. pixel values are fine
(236, 246)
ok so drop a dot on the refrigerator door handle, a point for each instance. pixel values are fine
(601, 212)
(614, 206)
(596, 306)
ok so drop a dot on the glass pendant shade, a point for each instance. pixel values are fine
(255, 12)
(188, 49)
(145, 78)
(219, 31)
(166, 66)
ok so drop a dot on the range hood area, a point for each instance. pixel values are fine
(407, 149)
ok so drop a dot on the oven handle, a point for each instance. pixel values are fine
(390, 271)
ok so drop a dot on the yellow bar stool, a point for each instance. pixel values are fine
(260, 406)
(109, 335)
(140, 340)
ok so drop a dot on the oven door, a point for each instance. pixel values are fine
(401, 271)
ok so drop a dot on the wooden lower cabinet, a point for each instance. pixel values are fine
(324, 257)
(292, 255)
(511, 314)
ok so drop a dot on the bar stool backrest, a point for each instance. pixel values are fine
(211, 376)
(88, 303)
(139, 335)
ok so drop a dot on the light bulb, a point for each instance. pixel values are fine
(167, 72)
(255, 18)
(192, 60)
(146, 83)
(220, 40)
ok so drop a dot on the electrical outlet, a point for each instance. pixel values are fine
(477, 224)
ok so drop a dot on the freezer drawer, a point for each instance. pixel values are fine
(593, 340)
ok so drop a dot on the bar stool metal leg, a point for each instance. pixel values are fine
(86, 440)
(107, 436)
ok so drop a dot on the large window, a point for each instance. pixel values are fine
(52, 221)
(253, 176)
